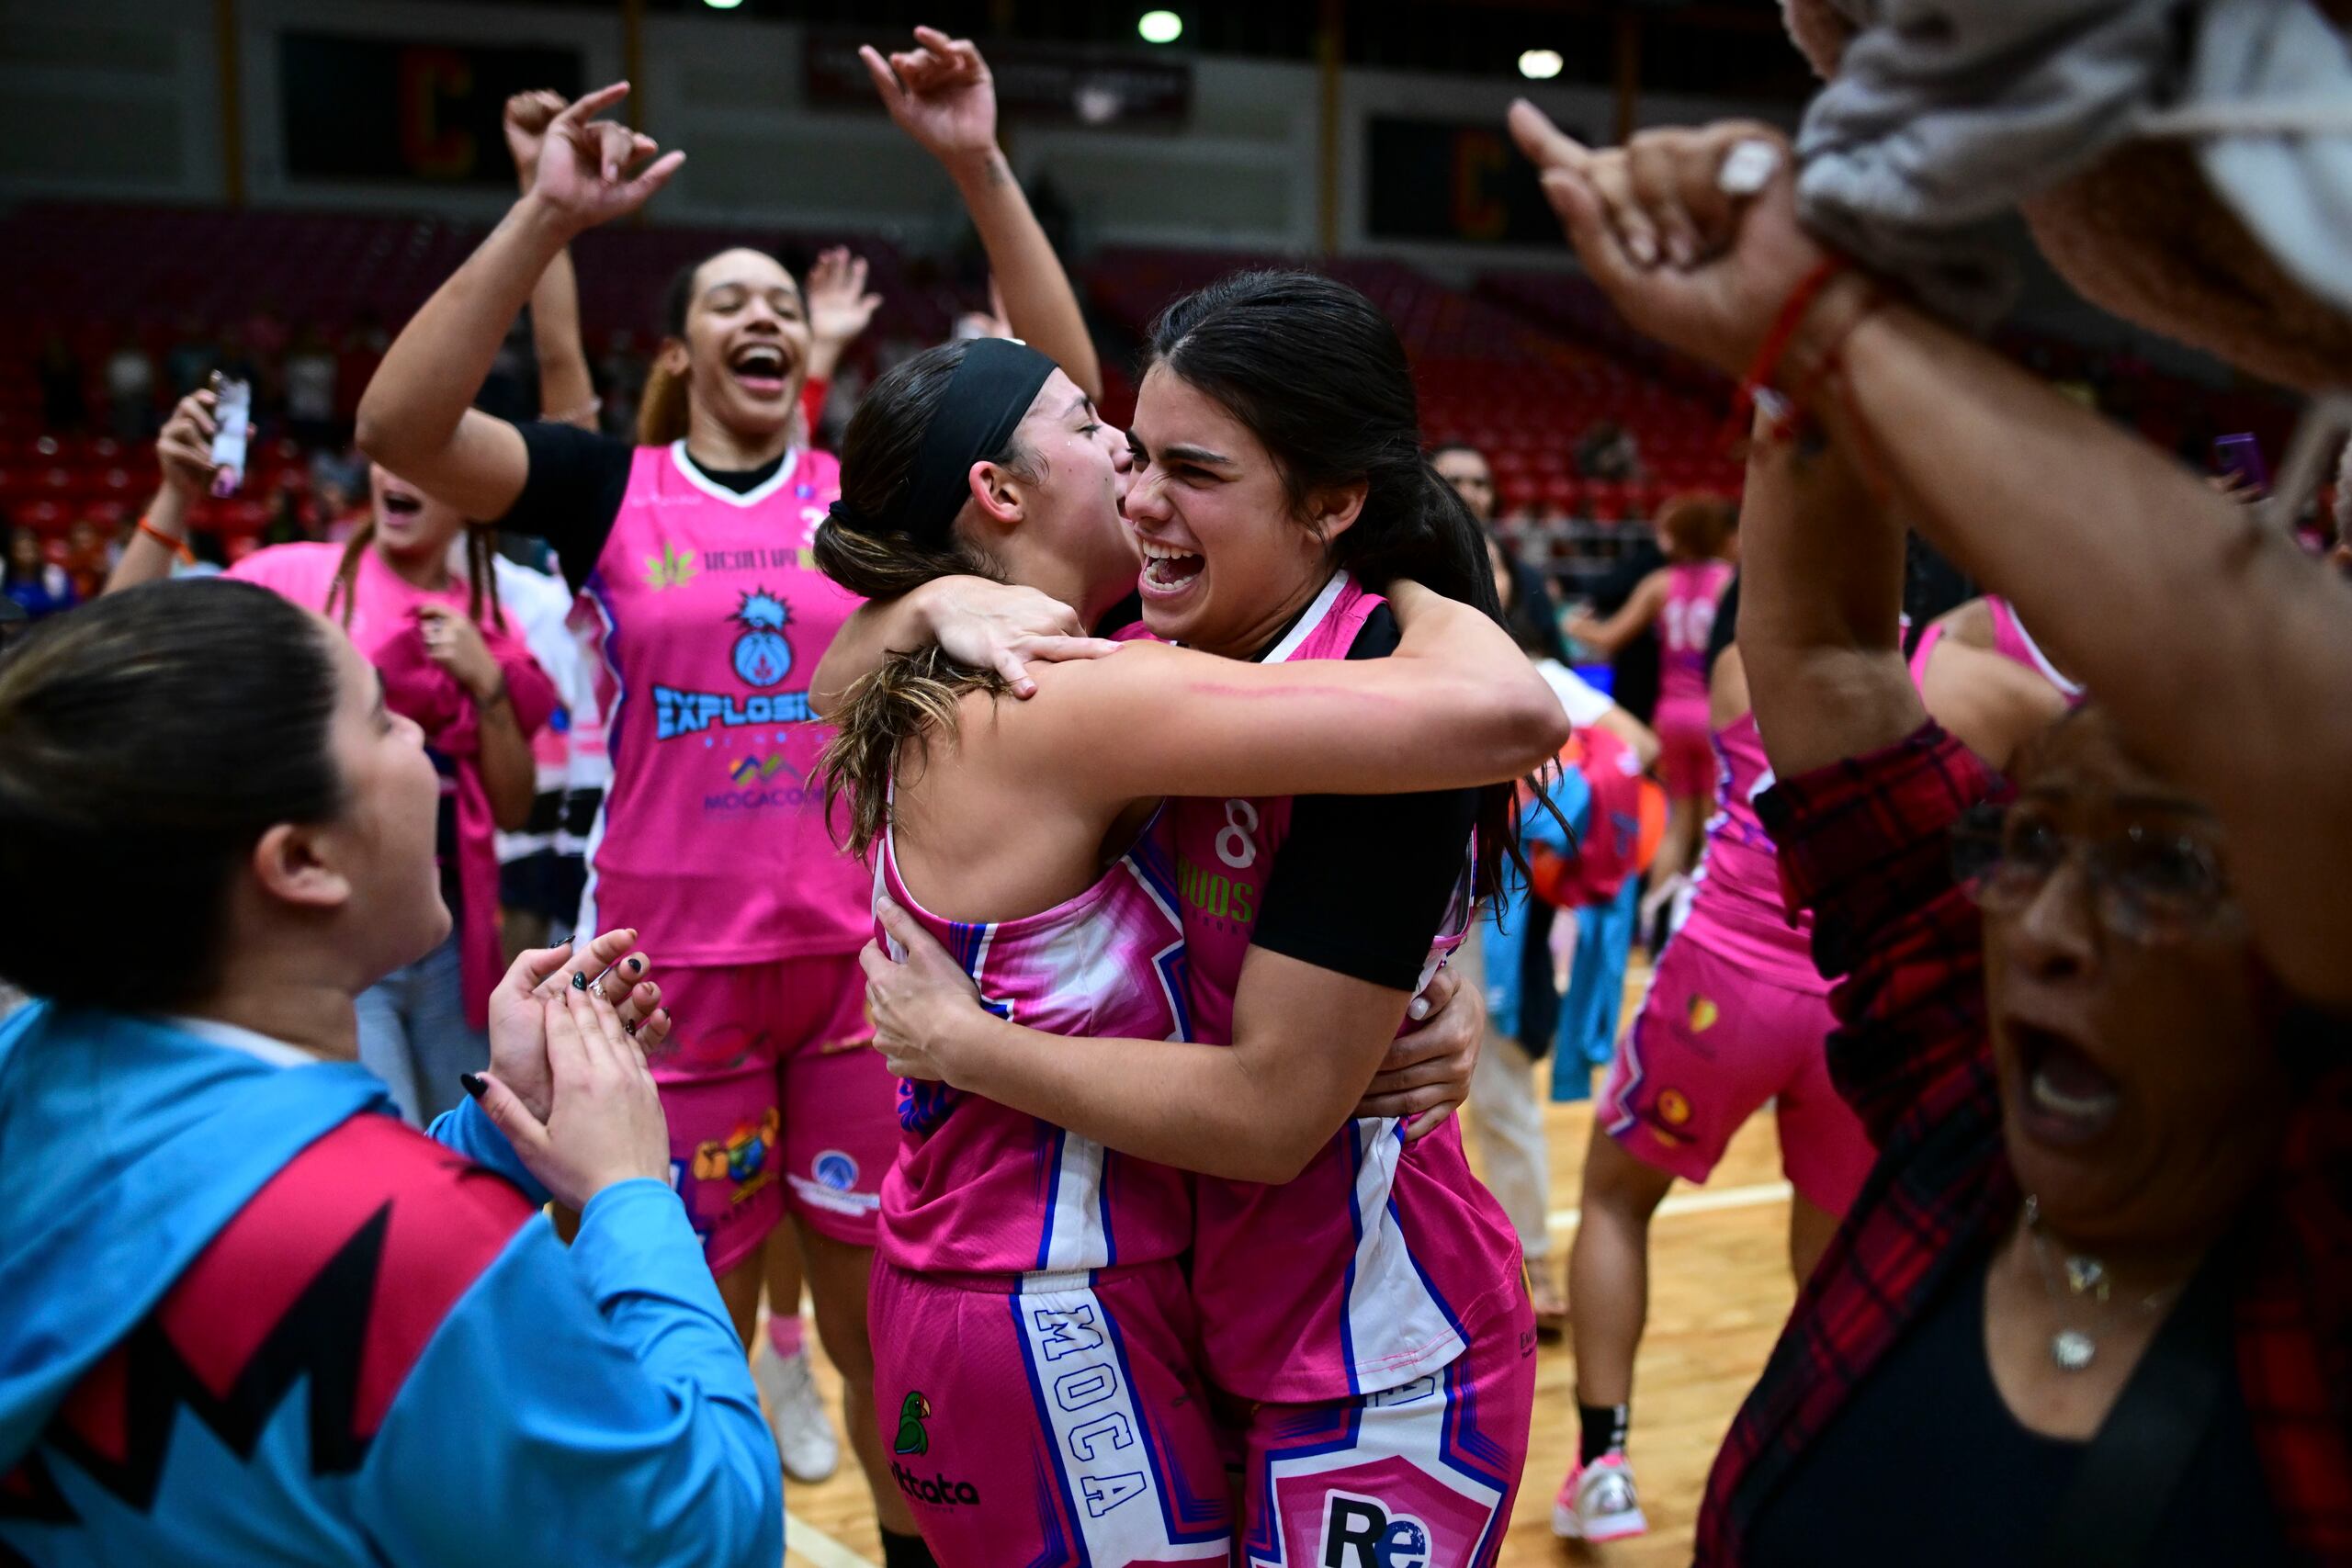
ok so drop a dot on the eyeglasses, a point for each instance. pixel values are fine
(2149, 885)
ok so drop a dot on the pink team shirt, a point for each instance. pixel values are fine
(981, 1188)
(384, 627)
(1737, 911)
(1379, 1262)
(712, 841)
(1693, 590)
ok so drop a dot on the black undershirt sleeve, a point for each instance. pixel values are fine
(1362, 883)
(573, 494)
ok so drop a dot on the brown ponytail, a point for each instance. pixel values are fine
(911, 694)
(482, 577)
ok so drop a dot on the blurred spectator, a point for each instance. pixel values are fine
(620, 375)
(130, 390)
(1632, 668)
(1606, 451)
(1529, 609)
(33, 582)
(63, 404)
(310, 376)
(88, 560)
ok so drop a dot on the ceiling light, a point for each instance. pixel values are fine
(1540, 65)
(1161, 26)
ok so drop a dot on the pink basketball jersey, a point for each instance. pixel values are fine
(1376, 1265)
(2013, 642)
(1738, 911)
(712, 841)
(980, 1188)
(1693, 590)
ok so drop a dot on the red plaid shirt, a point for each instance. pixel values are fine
(1864, 845)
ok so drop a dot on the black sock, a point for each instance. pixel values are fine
(906, 1552)
(1604, 1430)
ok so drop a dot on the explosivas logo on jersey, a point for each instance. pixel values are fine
(1360, 1532)
(761, 658)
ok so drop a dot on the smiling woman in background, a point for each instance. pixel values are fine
(448, 662)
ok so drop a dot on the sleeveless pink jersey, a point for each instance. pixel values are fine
(2013, 642)
(980, 1188)
(1693, 589)
(712, 840)
(1737, 911)
(1378, 1264)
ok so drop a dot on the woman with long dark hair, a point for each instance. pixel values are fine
(1354, 1294)
(450, 663)
(245, 1315)
(696, 554)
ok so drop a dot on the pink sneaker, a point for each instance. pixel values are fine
(1597, 1502)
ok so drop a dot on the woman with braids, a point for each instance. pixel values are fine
(695, 553)
(450, 664)
(1079, 887)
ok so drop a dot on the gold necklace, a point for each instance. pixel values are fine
(2087, 1279)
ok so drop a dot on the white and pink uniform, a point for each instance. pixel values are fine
(713, 844)
(1026, 1271)
(1686, 622)
(2012, 642)
(1370, 1314)
(1736, 1015)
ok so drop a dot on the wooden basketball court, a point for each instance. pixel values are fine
(1719, 1292)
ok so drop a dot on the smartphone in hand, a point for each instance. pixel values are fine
(2238, 458)
(233, 412)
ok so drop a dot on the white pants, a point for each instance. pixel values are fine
(1510, 1122)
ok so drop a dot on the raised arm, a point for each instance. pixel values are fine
(567, 391)
(184, 451)
(2105, 545)
(416, 417)
(1636, 615)
(942, 94)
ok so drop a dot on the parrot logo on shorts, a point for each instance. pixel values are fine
(912, 1413)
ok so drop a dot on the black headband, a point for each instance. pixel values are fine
(985, 403)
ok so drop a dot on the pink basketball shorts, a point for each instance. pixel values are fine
(1714, 1044)
(1424, 1473)
(775, 1100)
(1049, 1418)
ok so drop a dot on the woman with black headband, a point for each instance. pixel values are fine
(1082, 884)
(697, 553)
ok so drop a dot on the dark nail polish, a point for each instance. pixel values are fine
(629, 1024)
(636, 966)
(579, 980)
(473, 1083)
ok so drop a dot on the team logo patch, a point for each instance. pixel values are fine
(742, 1159)
(674, 568)
(1360, 1532)
(752, 770)
(1703, 1014)
(762, 657)
(836, 1169)
(914, 1437)
(1673, 1107)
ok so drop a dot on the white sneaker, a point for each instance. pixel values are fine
(804, 1433)
(1597, 1502)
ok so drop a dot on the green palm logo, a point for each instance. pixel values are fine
(912, 1413)
(673, 567)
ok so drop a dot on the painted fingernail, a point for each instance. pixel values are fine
(629, 1024)
(580, 979)
(1420, 1008)
(473, 1083)
(636, 966)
